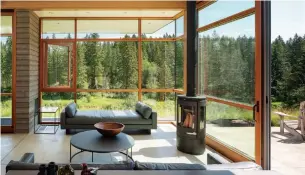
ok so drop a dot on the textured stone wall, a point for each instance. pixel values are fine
(27, 61)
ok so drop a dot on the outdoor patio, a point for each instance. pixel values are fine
(160, 146)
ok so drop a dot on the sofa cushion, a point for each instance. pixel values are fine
(71, 110)
(90, 117)
(144, 110)
(17, 165)
(167, 166)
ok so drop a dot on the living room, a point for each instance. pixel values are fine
(149, 67)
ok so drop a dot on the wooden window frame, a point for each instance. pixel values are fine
(12, 128)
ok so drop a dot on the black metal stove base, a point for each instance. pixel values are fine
(190, 146)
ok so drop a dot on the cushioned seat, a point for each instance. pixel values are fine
(90, 117)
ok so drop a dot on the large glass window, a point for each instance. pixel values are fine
(180, 26)
(6, 71)
(107, 65)
(59, 65)
(179, 64)
(232, 126)
(226, 75)
(161, 102)
(107, 100)
(55, 99)
(158, 29)
(107, 29)
(226, 58)
(221, 9)
(58, 29)
(158, 64)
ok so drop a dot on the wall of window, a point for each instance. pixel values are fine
(7, 73)
(226, 73)
(114, 63)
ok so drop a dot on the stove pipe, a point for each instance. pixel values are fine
(192, 47)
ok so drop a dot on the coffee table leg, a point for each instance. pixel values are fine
(70, 152)
(92, 156)
(131, 152)
(127, 155)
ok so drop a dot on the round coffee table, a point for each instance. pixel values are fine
(92, 141)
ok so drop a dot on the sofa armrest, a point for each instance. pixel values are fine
(63, 119)
(27, 158)
(154, 119)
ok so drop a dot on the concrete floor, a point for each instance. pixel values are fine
(160, 146)
(287, 156)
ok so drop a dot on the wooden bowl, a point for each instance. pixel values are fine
(109, 129)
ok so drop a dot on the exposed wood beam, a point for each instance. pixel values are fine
(179, 15)
(202, 4)
(110, 5)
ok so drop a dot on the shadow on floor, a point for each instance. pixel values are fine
(286, 138)
(165, 152)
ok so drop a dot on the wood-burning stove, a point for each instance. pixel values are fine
(191, 108)
(191, 124)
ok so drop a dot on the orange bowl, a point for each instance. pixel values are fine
(109, 129)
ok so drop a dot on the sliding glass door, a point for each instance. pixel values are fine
(229, 75)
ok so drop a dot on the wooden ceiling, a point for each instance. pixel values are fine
(119, 5)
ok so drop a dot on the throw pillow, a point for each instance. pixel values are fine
(144, 110)
(71, 109)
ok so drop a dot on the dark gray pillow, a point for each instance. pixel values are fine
(144, 110)
(70, 110)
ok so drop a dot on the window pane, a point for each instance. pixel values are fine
(107, 28)
(60, 65)
(6, 24)
(158, 28)
(161, 102)
(6, 110)
(6, 64)
(222, 9)
(180, 26)
(107, 65)
(158, 64)
(55, 99)
(179, 64)
(107, 101)
(58, 29)
(226, 61)
(231, 126)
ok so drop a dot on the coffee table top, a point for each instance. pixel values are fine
(93, 141)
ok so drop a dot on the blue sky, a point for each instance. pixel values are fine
(287, 18)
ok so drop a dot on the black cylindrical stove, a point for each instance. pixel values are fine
(191, 124)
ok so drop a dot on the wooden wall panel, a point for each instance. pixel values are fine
(27, 60)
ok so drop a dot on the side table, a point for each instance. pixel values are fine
(38, 125)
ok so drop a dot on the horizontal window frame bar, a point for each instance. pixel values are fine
(229, 19)
(230, 103)
(6, 94)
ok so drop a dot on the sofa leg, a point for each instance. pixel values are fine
(148, 131)
(68, 131)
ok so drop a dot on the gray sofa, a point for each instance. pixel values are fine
(141, 118)
(27, 163)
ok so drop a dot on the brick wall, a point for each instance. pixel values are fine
(27, 29)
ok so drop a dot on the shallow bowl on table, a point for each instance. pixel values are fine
(109, 129)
